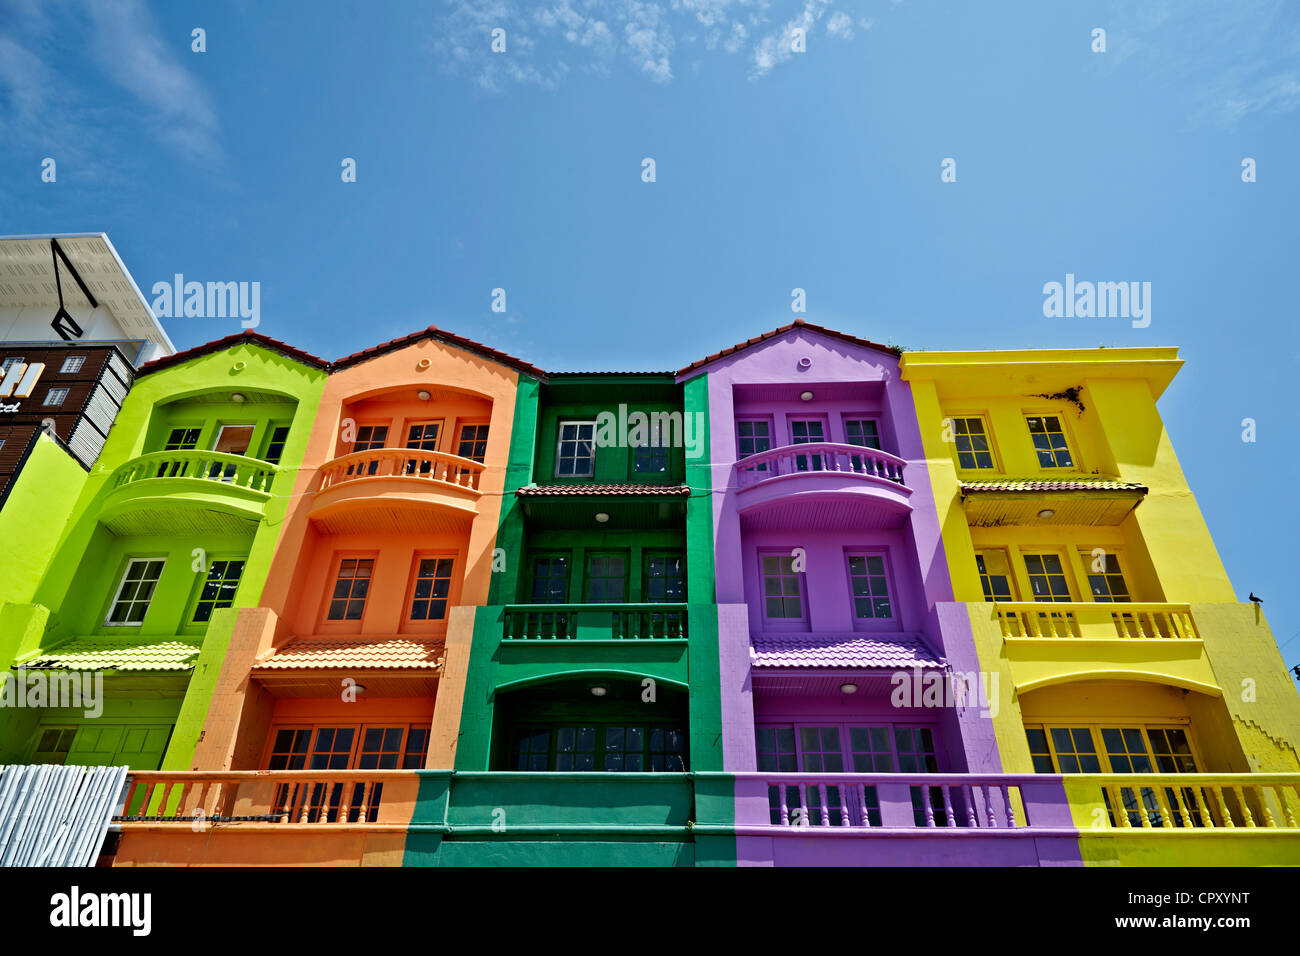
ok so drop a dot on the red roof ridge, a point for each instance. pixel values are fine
(796, 324)
(247, 336)
(433, 332)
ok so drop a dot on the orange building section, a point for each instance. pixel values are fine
(392, 525)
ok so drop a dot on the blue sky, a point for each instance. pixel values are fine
(774, 170)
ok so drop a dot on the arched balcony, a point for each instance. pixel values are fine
(822, 485)
(187, 489)
(431, 490)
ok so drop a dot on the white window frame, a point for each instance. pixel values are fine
(559, 447)
(63, 397)
(80, 360)
(126, 573)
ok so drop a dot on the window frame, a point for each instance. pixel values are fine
(782, 623)
(559, 447)
(1071, 446)
(847, 419)
(331, 583)
(408, 620)
(192, 606)
(79, 359)
(589, 556)
(600, 748)
(130, 562)
(873, 623)
(62, 391)
(754, 420)
(987, 591)
(986, 422)
(460, 437)
(1085, 555)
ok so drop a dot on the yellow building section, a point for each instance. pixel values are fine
(1055, 480)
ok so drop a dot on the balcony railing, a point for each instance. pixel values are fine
(238, 471)
(1083, 619)
(859, 801)
(260, 796)
(1199, 801)
(819, 457)
(559, 622)
(403, 463)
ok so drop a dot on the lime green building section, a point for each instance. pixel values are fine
(146, 499)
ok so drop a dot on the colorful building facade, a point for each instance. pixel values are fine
(808, 601)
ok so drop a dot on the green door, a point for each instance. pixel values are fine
(139, 746)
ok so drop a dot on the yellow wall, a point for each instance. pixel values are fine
(1165, 548)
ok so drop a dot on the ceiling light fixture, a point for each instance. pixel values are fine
(848, 688)
(422, 395)
(599, 690)
(1046, 513)
(238, 398)
(601, 517)
(805, 396)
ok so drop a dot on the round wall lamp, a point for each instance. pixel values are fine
(1046, 513)
(804, 364)
(238, 398)
(422, 395)
(601, 517)
(599, 690)
(805, 396)
(848, 688)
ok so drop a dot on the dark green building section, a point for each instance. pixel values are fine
(592, 696)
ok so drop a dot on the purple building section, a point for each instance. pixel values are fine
(831, 576)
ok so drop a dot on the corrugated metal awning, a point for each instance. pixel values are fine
(56, 816)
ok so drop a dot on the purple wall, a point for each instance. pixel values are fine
(764, 381)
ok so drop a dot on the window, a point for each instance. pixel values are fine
(971, 439)
(135, 592)
(803, 433)
(275, 444)
(550, 579)
(1049, 441)
(182, 439)
(995, 575)
(606, 578)
(368, 438)
(650, 459)
(575, 455)
(424, 436)
(11, 361)
(55, 397)
(867, 583)
(53, 744)
(72, 364)
(1039, 751)
(218, 589)
(665, 578)
(231, 440)
(862, 431)
(782, 597)
(1107, 585)
(1047, 577)
(821, 749)
(1075, 751)
(614, 748)
(432, 588)
(753, 438)
(473, 442)
(350, 589)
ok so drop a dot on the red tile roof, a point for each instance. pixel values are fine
(246, 337)
(530, 491)
(895, 652)
(354, 654)
(796, 324)
(441, 335)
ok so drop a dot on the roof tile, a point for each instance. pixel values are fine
(895, 651)
(116, 656)
(354, 654)
(433, 332)
(540, 491)
(246, 337)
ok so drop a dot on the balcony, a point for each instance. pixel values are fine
(822, 485)
(397, 489)
(595, 622)
(1048, 643)
(280, 817)
(178, 491)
